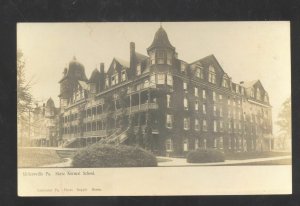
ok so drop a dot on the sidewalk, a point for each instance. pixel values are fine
(182, 161)
(67, 163)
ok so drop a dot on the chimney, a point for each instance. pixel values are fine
(102, 68)
(132, 56)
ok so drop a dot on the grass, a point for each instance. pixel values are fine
(35, 157)
(253, 155)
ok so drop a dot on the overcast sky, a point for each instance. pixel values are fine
(245, 50)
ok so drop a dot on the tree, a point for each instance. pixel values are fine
(24, 99)
(284, 121)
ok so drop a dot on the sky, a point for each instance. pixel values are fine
(245, 50)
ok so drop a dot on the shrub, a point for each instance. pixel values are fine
(205, 155)
(101, 155)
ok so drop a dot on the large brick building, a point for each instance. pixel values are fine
(164, 104)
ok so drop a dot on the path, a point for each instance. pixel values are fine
(182, 161)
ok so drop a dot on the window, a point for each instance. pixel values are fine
(185, 103)
(196, 143)
(258, 94)
(242, 90)
(225, 81)
(196, 92)
(229, 143)
(252, 92)
(152, 58)
(169, 145)
(160, 57)
(214, 96)
(199, 72)
(212, 75)
(215, 110)
(215, 143)
(93, 88)
(228, 101)
(138, 70)
(94, 126)
(114, 79)
(221, 125)
(123, 76)
(185, 145)
(168, 100)
(99, 109)
(169, 80)
(204, 143)
(204, 108)
(215, 126)
(220, 96)
(184, 86)
(152, 79)
(204, 125)
(196, 105)
(204, 94)
(169, 121)
(197, 125)
(221, 142)
(229, 114)
(237, 90)
(106, 82)
(186, 123)
(221, 112)
(161, 79)
(169, 58)
(146, 83)
(182, 66)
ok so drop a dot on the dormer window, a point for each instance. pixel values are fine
(160, 57)
(123, 76)
(258, 94)
(106, 82)
(138, 70)
(169, 58)
(199, 72)
(114, 80)
(212, 75)
(252, 92)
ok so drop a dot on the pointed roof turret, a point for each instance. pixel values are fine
(161, 40)
(50, 103)
(95, 76)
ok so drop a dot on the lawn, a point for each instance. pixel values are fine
(253, 155)
(35, 157)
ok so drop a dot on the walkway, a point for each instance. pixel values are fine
(182, 161)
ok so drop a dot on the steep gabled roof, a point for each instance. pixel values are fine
(249, 83)
(124, 63)
(209, 60)
(140, 57)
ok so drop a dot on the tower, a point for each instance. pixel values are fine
(68, 83)
(161, 51)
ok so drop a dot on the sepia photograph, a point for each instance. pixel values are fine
(99, 103)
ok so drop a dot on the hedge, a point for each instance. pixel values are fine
(104, 155)
(205, 156)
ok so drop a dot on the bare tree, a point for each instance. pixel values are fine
(24, 100)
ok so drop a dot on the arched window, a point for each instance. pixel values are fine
(212, 75)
